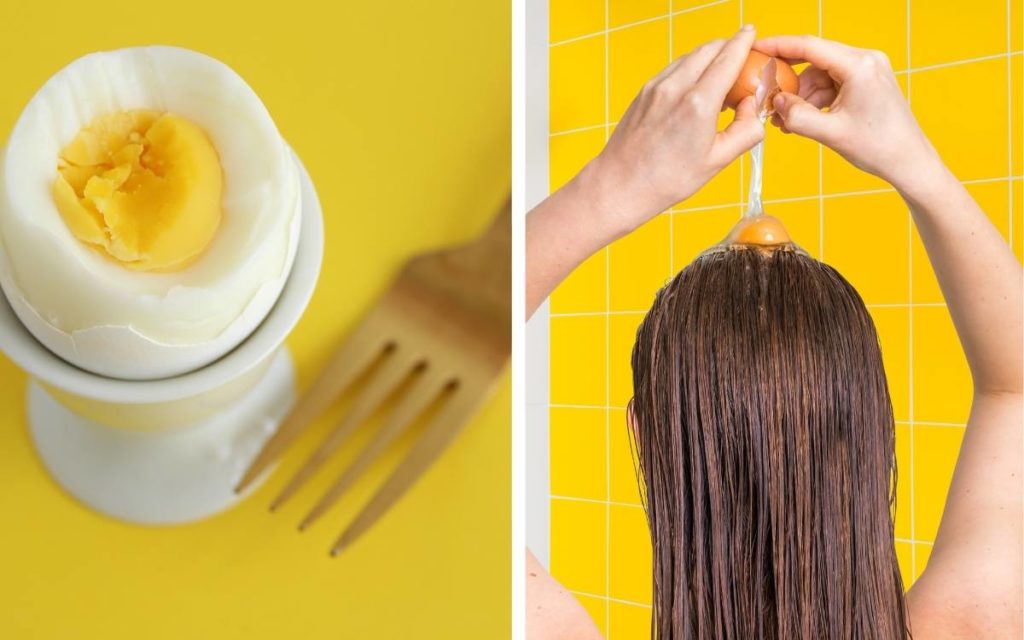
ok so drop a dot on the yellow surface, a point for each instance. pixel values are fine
(577, 441)
(126, 167)
(821, 199)
(635, 55)
(639, 266)
(400, 111)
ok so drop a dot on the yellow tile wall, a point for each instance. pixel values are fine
(602, 51)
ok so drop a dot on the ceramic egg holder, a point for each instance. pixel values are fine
(171, 450)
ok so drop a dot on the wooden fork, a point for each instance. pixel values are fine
(439, 338)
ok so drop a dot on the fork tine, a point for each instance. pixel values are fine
(354, 356)
(423, 391)
(433, 441)
(395, 368)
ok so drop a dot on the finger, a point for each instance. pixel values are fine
(745, 130)
(813, 78)
(833, 57)
(721, 73)
(801, 117)
(821, 98)
(779, 124)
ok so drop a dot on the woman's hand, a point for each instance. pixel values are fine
(868, 120)
(666, 146)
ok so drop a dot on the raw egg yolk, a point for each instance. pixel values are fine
(763, 230)
(142, 187)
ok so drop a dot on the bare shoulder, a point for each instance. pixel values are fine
(986, 602)
(551, 611)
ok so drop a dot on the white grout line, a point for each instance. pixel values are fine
(610, 599)
(955, 63)
(642, 312)
(566, 132)
(671, 218)
(671, 14)
(607, 364)
(742, 169)
(821, 177)
(1009, 119)
(910, 334)
(617, 503)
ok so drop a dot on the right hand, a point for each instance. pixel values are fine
(868, 121)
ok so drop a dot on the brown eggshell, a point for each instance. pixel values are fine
(750, 76)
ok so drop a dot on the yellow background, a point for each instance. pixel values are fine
(400, 111)
(960, 64)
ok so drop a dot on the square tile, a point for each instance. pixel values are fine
(628, 621)
(625, 478)
(1016, 26)
(578, 545)
(695, 231)
(621, 337)
(904, 556)
(578, 453)
(1017, 114)
(893, 327)
(935, 453)
(790, 166)
(942, 382)
(630, 573)
(903, 514)
(691, 29)
(994, 200)
(869, 24)
(597, 609)
(576, 84)
(639, 266)
(635, 55)
(574, 18)
(803, 222)
(1018, 218)
(585, 289)
(948, 30)
(622, 12)
(578, 345)
(970, 134)
(782, 17)
(866, 240)
(922, 553)
(570, 152)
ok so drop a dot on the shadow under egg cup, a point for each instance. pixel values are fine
(172, 450)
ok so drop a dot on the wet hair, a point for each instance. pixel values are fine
(764, 432)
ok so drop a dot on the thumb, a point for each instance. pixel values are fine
(801, 117)
(743, 132)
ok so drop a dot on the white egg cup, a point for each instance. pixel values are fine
(167, 451)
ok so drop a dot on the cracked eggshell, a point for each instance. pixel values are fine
(123, 352)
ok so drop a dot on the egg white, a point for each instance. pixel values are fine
(139, 325)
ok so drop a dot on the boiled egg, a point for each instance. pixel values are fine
(149, 212)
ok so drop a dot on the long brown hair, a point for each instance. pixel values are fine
(765, 437)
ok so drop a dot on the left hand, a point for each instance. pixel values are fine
(667, 146)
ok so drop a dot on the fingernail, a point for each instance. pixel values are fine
(778, 101)
(747, 27)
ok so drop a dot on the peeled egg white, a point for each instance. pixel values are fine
(128, 324)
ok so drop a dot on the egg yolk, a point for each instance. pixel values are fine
(762, 230)
(142, 187)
